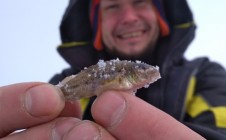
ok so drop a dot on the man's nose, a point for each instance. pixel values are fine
(129, 15)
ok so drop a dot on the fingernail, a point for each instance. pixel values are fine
(109, 109)
(42, 100)
(62, 127)
(84, 131)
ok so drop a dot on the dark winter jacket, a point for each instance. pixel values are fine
(193, 92)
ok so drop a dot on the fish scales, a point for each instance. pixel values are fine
(108, 75)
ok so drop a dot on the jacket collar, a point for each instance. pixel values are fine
(171, 50)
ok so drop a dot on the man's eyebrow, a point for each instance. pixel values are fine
(109, 0)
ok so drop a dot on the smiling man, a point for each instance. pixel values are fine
(157, 32)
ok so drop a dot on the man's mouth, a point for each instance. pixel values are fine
(131, 35)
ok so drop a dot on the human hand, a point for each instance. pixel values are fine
(39, 117)
(40, 109)
(127, 117)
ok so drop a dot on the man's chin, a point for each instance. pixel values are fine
(128, 55)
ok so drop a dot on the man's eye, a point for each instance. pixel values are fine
(112, 7)
(140, 2)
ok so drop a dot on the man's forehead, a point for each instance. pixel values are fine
(109, 0)
(114, 0)
(117, 0)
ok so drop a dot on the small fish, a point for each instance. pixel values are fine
(108, 75)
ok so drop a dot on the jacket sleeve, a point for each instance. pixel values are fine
(206, 112)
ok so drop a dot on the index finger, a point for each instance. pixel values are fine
(27, 104)
(128, 117)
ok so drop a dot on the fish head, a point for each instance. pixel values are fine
(143, 74)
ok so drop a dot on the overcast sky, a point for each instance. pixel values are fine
(29, 36)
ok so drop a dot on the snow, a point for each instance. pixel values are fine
(101, 64)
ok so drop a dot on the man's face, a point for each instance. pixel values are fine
(129, 27)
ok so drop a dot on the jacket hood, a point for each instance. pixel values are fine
(77, 36)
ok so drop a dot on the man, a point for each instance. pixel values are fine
(189, 94)
(155, 32)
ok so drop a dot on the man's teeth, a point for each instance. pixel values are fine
(130, 35)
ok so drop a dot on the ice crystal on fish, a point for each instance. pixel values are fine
(101, 64)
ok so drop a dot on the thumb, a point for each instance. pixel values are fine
(128, 117)
(25, 105)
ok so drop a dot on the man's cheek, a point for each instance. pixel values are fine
(108, 41)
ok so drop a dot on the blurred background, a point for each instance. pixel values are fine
(29, 35)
